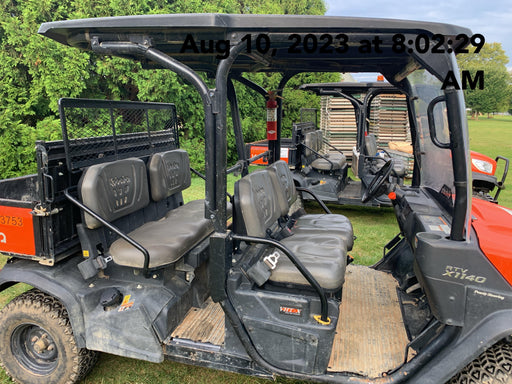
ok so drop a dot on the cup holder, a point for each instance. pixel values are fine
(429, 236)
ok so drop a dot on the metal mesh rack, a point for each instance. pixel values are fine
(104, 130)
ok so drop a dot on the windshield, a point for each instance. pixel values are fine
(436, 169)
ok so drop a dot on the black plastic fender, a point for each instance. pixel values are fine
(467, 347)
(42, 278)
(125, 333)
(299, 180)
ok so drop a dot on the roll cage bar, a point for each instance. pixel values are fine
(158, 41)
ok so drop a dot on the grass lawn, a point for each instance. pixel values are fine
(493, 137)
(373, 227)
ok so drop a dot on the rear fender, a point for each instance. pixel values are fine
(12, 273)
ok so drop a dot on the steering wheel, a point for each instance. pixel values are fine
(380, 177)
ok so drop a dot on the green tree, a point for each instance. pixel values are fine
(35, 72)
(495, 97)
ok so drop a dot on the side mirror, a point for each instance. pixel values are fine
(438, 122)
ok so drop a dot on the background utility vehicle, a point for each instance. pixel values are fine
(362, 125)
(120, 265)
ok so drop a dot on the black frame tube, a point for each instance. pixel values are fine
(459, 156)
(315, 196)
(275, 145)
(113, 228)
(319, 155)
(111, 48)
(501, 184)
(298, 264)
(259, 156)
(330, 145)
(251, 85)
(217, 161)
(237, 124)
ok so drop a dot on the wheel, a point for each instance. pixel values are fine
(494, 366)
(382, 175)
(37, 342)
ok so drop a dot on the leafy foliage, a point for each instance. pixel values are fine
(35, 72)
(497, 92)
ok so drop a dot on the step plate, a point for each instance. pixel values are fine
(204, 325)
(370, 335)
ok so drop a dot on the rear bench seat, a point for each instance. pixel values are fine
(118, 191)
(258, 212)
(334, 224)
(329, 161)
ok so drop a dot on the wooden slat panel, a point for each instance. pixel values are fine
(205, 325)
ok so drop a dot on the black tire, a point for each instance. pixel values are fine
(37, 343)
(494, 366)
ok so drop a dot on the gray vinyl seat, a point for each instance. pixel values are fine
(119, 190)
(334, 224)
(167, 240)
(322, 254)
(371, 149)
(330, 161)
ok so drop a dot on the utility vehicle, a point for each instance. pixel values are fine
(120, 265)
(323, 167)
(485, 180)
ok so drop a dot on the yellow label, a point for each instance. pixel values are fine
(126, 304)
(85, 252)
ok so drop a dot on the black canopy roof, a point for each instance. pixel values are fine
(346, 87)
(169, 33)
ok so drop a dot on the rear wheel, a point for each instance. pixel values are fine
(494, 366)
(37, 342)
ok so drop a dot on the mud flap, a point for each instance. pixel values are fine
(124, 332)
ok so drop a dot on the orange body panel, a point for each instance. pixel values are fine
(493, 226)
(17, 230)
(480, 156)
(256, 150)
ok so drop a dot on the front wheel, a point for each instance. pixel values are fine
(37, 342)
(494, 366)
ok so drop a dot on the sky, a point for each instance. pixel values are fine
(491, 18)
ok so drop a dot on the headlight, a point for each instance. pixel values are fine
(482, 166)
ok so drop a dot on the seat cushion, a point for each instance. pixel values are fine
(325, 257)
(334, 224)
(332, 162)
(166, 240)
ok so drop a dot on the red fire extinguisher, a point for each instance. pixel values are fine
(271, 116)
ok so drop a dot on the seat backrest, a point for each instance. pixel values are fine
(114, 190)
(320, 140)
(370, 145)
(169, 173)
(283, 182)
(256, 204)
(311, 141)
